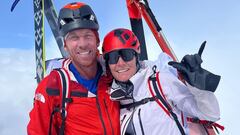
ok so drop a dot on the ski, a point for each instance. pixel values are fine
(51, 15)
(45, 8)
(141, 7)
(137, 27)
(38, 6)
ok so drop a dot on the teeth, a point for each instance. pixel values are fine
(84, 53)
(124, 70)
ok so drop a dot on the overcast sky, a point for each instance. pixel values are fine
(186, 24)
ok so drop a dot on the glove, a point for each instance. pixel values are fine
(121, 90)
(194, 74)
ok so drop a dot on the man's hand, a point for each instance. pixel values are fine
(194, 74)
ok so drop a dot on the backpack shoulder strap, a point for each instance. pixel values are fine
(65, 84)
(64, 93)
(157, 92)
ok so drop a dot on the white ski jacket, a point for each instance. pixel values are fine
(150, 118)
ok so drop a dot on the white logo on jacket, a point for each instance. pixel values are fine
(39, 97)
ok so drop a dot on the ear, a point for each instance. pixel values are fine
(139, 51)
(64, 45)
(97, 40)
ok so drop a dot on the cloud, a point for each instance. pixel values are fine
(17, 88)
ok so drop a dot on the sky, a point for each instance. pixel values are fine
(186, 24)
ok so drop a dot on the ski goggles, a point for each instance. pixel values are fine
(125, 54)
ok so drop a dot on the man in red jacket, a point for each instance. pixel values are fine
(74, 99)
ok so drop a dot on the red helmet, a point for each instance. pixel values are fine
(120, 39)
(76, 16)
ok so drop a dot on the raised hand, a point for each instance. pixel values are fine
(194, 74)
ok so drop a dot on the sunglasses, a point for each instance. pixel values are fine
(125, 54)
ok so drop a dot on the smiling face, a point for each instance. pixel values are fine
(123, 70)
(81, 44)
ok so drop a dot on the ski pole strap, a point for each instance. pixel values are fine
(157, 87)
(138, 103)
(65, 89)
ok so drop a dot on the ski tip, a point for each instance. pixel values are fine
(12, 8)
(14, 5)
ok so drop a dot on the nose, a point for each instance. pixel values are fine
(82, 43)
(120, 61)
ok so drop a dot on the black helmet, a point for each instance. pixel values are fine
(76, 15)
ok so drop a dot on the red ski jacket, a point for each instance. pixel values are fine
(86, 114)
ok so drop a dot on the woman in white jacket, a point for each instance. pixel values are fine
(154, 101)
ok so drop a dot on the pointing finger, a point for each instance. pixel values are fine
(202, 48)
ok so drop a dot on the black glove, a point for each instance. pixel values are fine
(194, 74)
(121, 90)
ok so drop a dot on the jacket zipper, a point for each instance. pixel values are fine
(108, 116)
(100, 115)
(140, 121)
